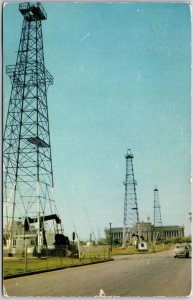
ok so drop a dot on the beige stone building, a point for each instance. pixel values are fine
(149, 232)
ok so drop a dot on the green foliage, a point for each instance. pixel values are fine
(103, 242)
(116, 242)
(107, 241)
(178, 240)
(82, 243)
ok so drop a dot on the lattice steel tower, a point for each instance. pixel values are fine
(157, 216)
(28, 173)
(131, 213)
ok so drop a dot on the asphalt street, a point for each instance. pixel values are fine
(158, 274)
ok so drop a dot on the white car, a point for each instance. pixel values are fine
(182, 250)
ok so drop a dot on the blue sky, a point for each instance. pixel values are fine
(122, 79)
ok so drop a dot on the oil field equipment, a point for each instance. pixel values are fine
(157, 216)
(28, 173)
(131, 213)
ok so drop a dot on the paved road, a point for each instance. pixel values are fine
(157, 274)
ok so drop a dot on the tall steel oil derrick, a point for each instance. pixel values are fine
(28, 173)
(157, 216)
(131, 213)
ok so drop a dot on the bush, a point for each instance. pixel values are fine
(178, 240)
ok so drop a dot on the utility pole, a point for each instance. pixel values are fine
(110, 234)
(28, 173)
(131, 213)
(190, 216)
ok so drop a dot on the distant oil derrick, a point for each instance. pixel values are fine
(131, 213)
(157, 216)
(28, 173)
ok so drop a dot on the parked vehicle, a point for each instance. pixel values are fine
(182, 250)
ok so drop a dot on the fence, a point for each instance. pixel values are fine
(94, 253)
(59, 258)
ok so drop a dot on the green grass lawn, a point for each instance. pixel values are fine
(132, 249)
(12, 266)
(18, 265)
